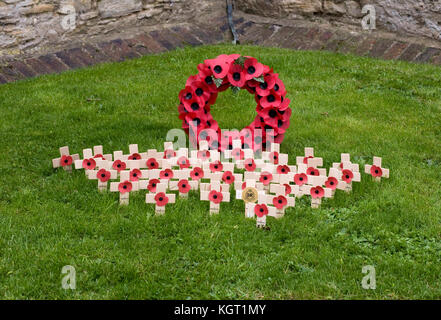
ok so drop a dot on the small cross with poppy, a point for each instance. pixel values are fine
(309, 159)
(346, 158)
(103, 173)
(124, 187)
(160, 198)
(65, 160)
(182, 183)
(280, 200)
(375, 170)
(349, 175)
(215, 195)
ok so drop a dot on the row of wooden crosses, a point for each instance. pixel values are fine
(265, 182)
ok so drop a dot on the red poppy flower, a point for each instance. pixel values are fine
(103, 175)
(270, 116)
(186, 94)
(263, 89)
(266, 178)
(317, 192)
(253, 69)
(376, 171)
(312, 171)
(271, 100)
(279, 87)
(282, 169)
(119, 165)
(99, 155)
(66, 160)
(244, 185)
(152, 163)
(201, 89)
(274, 157)
(135, 174)
(228, 177)
(166, 174)
(203, 154)
(219, 66)
(236, 76)
(250, 165)
(279, 202)
(300, 179)
(152, 185)
(205, 74)
(195, 104)
(89, 164)
(215, 197)
(287, 189)
(260, 210)
(135, 156)
(237, 154)
(216, 166)
(168, 154)
(347, 175)
(161, 199)
(125, 186)
(331, 183)
(184, 186)
(197, 173)
(183, 162)
(305, 159)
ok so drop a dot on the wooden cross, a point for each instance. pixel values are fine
(346, 158)
(317, 193)
(309, 159)
(376, 170)
(65, 160)
(250, 195)
(103, 174)
(349, 176)
(215, 196)
(160, 198)
(261, 210)
(134, 154)
(183, 184)
(335, 181)
(124, 187)
(280, 200)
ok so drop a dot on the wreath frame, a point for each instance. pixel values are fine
(238, 72)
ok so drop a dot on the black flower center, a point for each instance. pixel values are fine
(276, 87)
(280, 201)
(316, 191)
(251, 70)
(184, 186)
(331, 183)
(88, 163)
(188, 96)
(208, 80)
(228, 177)
(265, 178)
(271, 98)
(312, 173)
(152, 164)
(199, 92)
(279, 123)
(160, 198)
(263, 86)
(196, 174)
(218, 69)
(195, 106)
(301, 178)
(118, 165)
(124, 187)
(272, 113)
(102, 175)
(236, 76)
(215, 196)
(134, 174)
(376, 171)
(261, 209)
(166, 174)
(198, 121)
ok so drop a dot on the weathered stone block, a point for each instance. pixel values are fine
(118, 8)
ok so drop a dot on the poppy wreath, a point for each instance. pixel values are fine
(238, 72)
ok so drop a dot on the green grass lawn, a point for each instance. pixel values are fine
(366, 107)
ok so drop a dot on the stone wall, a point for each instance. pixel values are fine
(39, 26)
(405, 17)
(35, 27)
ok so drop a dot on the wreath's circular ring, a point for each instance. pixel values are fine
(237, 72)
